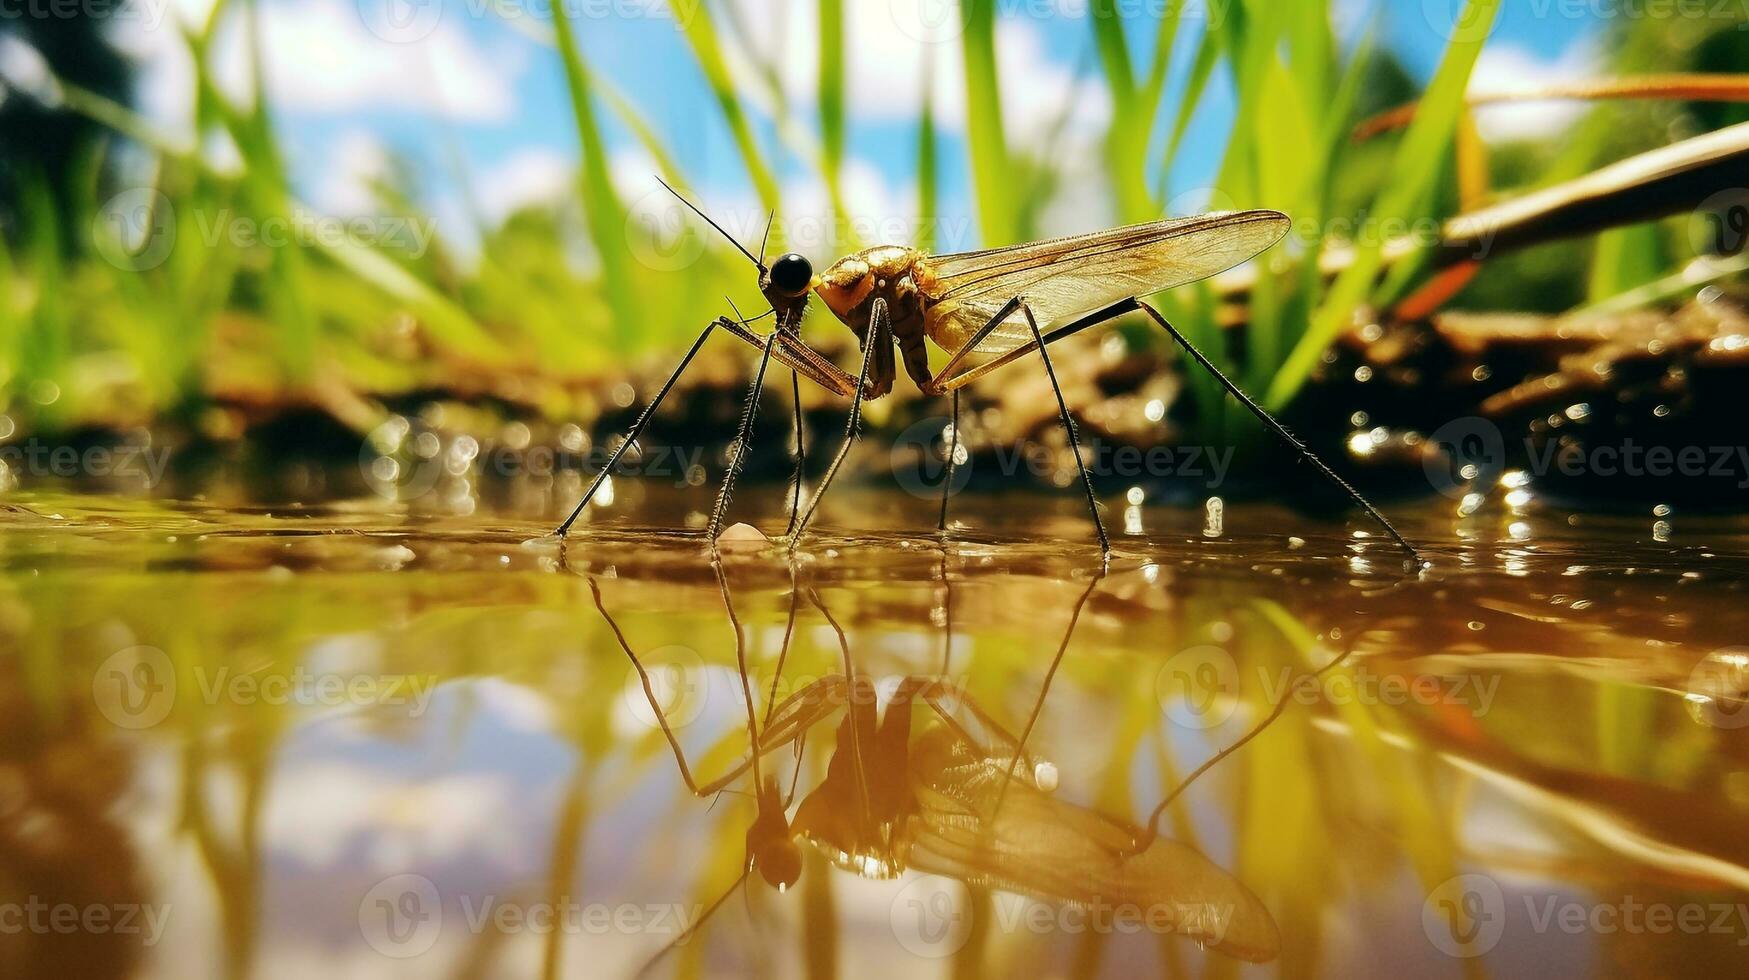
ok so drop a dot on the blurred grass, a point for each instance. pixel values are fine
(559, 302)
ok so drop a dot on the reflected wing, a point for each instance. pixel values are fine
(1040, 846)
(1066, 277)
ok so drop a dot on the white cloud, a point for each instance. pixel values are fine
(888, 68)
(532, 175)
(1509, 68)
(322, 58)
(356, 161)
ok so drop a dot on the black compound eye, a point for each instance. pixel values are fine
(791, 273)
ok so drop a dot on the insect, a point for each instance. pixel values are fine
(949, 791)
(1003, 303)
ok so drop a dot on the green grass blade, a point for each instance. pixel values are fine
(1624, 259)
(1418, 166)
(1126, 143)
(1202, 68)
(831, 98)
(701, 33)
(928, 188)
(991, 171)
(606, 216)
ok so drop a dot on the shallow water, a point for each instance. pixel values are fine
(342, 740)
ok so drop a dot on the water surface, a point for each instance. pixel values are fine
(347, 740)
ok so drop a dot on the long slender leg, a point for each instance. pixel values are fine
(795, 507)
(637, 428)
(879, 332)
(953, 449)
(1038, 706)
(792, 719)
(743, 442)
(949, 380)
(1281, 432)
(971, 344)
(1069, 425)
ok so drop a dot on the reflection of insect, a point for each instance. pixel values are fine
(953, 793)
(1004, 303)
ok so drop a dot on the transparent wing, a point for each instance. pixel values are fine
(1066, 277)
(1035, 844)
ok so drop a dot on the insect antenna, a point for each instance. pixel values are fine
(713, 224)
(766, 238)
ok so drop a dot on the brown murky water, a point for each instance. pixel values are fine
(342, 741)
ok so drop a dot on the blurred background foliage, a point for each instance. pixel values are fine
(120, 307)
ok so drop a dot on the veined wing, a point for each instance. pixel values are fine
(1038, 845)
(1066, 277)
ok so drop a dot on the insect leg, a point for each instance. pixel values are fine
(953, 448)
(1281, 431)
(1069, 425)
(743, 442)
(638, 427)
(880, 331)
(795, 507)
(972, 343)
(792, 719)
(949, 381)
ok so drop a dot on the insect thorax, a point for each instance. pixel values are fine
(850, 286)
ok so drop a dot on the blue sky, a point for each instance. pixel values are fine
(458, 88)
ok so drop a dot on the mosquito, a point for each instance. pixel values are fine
(950, 791)
(1002, 303)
